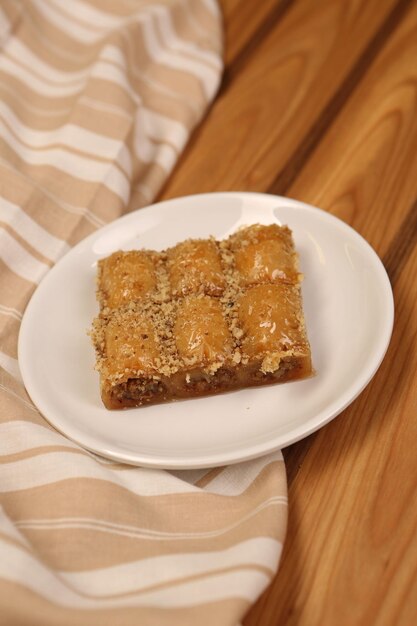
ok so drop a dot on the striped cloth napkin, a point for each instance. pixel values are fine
(98, 98)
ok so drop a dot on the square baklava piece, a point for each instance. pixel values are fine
(200, 318)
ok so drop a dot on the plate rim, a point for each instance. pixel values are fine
(255, 450)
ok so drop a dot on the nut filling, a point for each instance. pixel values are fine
(200, 318)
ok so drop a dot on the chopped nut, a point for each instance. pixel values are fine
(241, 328)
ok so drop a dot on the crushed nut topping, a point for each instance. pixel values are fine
(201, 317)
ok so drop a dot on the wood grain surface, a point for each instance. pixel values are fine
(319, 103)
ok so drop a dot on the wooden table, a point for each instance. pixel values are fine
(319, 103)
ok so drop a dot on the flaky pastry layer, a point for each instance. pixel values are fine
(200, 318)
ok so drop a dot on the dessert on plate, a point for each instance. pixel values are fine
(200, 318)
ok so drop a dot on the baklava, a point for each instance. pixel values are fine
(200, 318)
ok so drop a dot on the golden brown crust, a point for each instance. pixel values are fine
(265, 254)
(200, 318)
(195, 266)
(126, 277)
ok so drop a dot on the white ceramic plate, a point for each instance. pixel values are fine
(348, 306)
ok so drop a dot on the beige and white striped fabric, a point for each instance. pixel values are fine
(97, 100)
